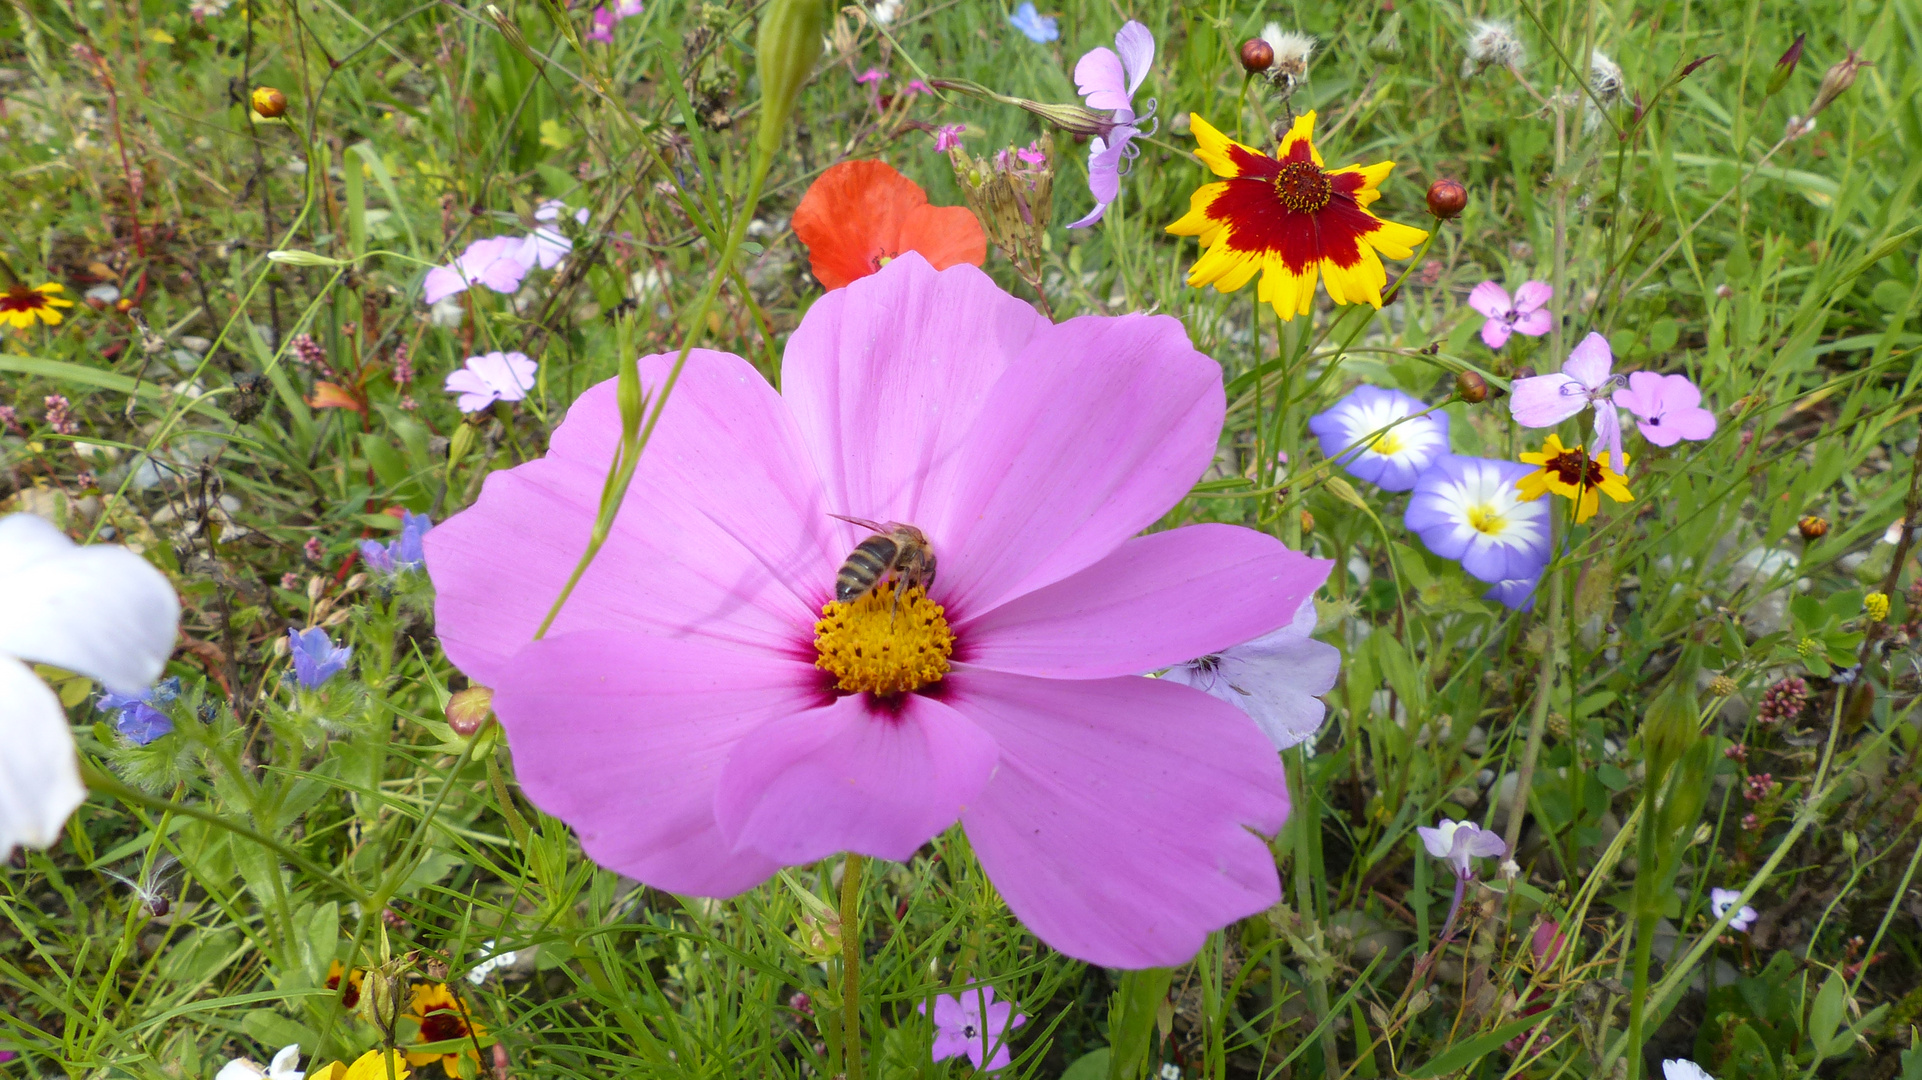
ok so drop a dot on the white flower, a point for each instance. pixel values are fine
(1277, 679)
(491, 377)
(101, 611)
(1457, 842)
(1893, 534)
(886, 11)
(479, 973)
(281, 1068)
(1720, 900)
(1683, 1069)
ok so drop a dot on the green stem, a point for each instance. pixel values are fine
(1131, 1018)
(1538, 724)
(1307, 867)
(851, 965)
(1647, 911)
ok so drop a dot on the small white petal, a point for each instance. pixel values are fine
(239, 1069)
(282, 1067)
(39, 774)
(99, 610)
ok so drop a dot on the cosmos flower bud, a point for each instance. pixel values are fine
(1447, 198)
(468, 710)
(1471, 387)
(1836, 82)
(1812, 527)
(790, 39)
(1256, 56)
(269, 102)
(1785, 67)
(1385, 47)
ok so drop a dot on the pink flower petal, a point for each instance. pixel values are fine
(624, 736)
(1539, 401)
(1159, 600)
(1098, 428)
(1137, 48)
(1495, 333)
(853, 777)
(886, 376)
(440, 283)
(1590, 361)
(1534, 323)
(1117, 825)
(1695, 424)
(1532, 296)
(1491, 300)
(724, 532)
(1100, 77)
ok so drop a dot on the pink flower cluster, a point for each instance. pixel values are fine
(606, 16)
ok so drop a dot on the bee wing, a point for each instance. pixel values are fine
(863, 522)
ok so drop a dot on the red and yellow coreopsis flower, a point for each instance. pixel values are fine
(1292, 220)
(20, 305)
(1572, 474)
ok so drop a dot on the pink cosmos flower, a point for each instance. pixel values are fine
(1584, 381)
(871, 75)
(495, 262)
(491, 377)
(704, 711)
(948, 136)
(971, 1021)
(1527, 314)
(1108, 78)
(1667, 408)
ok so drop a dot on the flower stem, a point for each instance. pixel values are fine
(1545, 685)
(1131, 1017)
(851, 965)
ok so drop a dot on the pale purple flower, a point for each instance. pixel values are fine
(1458, 842)
(1393, 459)
(948, 136)
(1277, 679)
(495, 262)
(1470, 510)
(1039, 28)
(1667, 408)
(1683, 1069)
(1526, 314)
(963, 1026)
(1586, 379)
(491, 377)
(871, 75)
(545, 247)
(315, 658)
(1108, 78)
(136, 716)
(402, 553)
(1720, 900)
(1516, 593)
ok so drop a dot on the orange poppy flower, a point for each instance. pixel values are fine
(860, 214)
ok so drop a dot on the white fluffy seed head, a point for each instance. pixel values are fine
(1604, 78)
(1492, 43)
(1293, 51)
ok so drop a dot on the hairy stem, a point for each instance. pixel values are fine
(851, 965)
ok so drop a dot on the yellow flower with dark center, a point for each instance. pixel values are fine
(20, 306)
(1572, 474)
(335, 972)
(1290, 220)
(371, 1065)
(442, 1019)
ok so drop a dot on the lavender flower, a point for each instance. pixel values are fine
(137, 716)
(1393, 459)
(1526, 314)
(1108, 78)
(1721, 900)
(496, 262)
(1459, 842)
(1667, 408)
(1586, 380)
(1039, 28)
(1469, 509)
(316, 659)
(1277, 679)
(491, 377)
(975, 1024)
(402, 553)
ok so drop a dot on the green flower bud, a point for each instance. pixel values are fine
(1385, 47)
(785, 52)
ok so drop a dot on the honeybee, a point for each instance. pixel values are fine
(897, 549)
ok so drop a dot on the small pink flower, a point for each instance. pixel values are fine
(916, 86)
(1586, 380)
(491, 377)
(496, 262)
(871, 75)
(705, 710)
(1667, 408)
(948, 136)
(971, 1022)
(603, 28)
(1526, 314)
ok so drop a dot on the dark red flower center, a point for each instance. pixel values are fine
(20, 298)
(352, 997)
(442, 1025)
(1576, 469)
(1302, 187)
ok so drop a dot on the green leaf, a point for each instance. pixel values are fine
(1093, 1065)
(1456, 1058)
(1826, 1014)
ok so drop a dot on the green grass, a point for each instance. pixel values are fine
(356, 825)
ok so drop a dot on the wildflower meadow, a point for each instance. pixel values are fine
(549, 540)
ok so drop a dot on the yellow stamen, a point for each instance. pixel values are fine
(1483, 518)
(874, 645)
(1388, 445)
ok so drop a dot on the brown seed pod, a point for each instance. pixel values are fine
(269, 102)
(1447, 198)
(1812, 527)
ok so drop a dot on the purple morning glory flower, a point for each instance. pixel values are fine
(1108, 78)
(1039, 28)
(496, 262)
(1527, 314)
(1458, 842)
(315, 658)
(1396, 457)
(404, 551)
(1667, 408)
(960, 1027)
(1470, 510)
(1277, 679)
(1516, 593)
(137, 716)
(1586, 379)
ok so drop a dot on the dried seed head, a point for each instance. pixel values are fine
(1604, 78)
(1492, 43)
(1256, 56)
(1837, 81)
(1293, 52)
(1447, 198)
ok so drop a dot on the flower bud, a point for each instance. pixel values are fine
(1471, 387)
(468, 710)
(1256, 56)
(1785, 67)
(1385, 47)
(1447, 199)
(1837, 81)
(302, 258)
(269, 102)
(790, 39)
(1307, 523)
(1012, 195)
(1722, 686)
(460, 444)
(1876, 606)
(355, 582)
(383, 997)
(1078, 120)
(1812, 527)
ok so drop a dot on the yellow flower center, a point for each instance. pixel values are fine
(1302, 187)
(1483, 519)
(873, 645)
(1388, 444)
